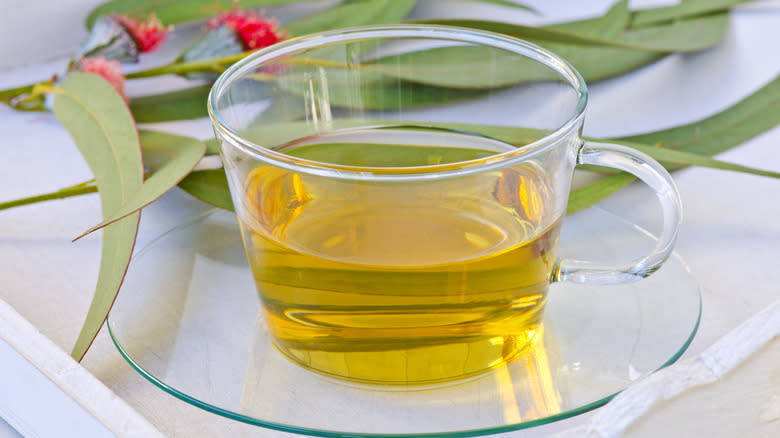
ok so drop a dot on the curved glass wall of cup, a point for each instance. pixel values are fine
(433, 78)
(188, 320)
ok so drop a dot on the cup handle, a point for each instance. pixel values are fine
(659, 180)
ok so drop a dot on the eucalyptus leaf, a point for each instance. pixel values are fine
(177, 11)
(212, 146)
(475, 67)
(465, 66)
(390, 155)
(684, 9)
(595, 63)
(188, 103)
(672, 158)
(161, 149)
(683, 35)
(384, 155)
(169, 159)
(210, 186)
(103, 129)
(609, 25)
(751, 116)
(687, 35)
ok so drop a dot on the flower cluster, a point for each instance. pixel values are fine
(122, 38)
(233, 32)
(148, 34)
(116, 39)
(254, 30)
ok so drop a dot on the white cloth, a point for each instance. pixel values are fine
(613, 419)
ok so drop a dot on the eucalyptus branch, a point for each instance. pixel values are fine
(83, 188)
(27, 97)
(177, 68)
(6, 96)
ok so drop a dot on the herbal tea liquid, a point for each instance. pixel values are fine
(400, 283)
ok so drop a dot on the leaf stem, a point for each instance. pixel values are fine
(28, 97)
(218, 65)
(174, 68)
(82, 188)
(7, 95)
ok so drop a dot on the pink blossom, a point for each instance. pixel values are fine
(110, 70)
(149, 34)
(255, 30)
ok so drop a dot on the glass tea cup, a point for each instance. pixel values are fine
(400, 191)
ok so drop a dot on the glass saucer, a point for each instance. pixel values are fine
(188, 320)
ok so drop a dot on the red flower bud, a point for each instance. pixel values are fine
(110, 70)
(149, 34)
(255, 30)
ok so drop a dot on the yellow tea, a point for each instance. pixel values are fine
(404, 282)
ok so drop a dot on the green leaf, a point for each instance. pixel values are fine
(596, 63)
(684, 9)
(210, 186)
(465, 66)
(462, 67)
(674, 158)
(751, 116)
(586, 196)
(475, 67)
(687, 35)
(188, 103)
(169, 159)
(609, 25)
(103, 129)
(161, 150)
(212, 146)
(382, 155)
(176, 11)
(352, 14)
(684, 35)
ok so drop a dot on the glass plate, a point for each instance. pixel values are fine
(188, 320)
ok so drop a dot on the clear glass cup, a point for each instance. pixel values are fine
(400, 191)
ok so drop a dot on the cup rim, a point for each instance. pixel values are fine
(423, 31)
